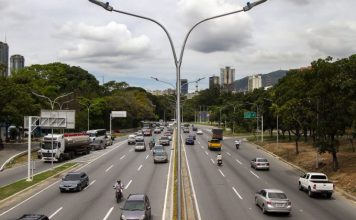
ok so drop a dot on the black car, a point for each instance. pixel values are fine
(189, 141)
(192, 136)
(194, 128)
(137, 206)
(74, 181)
(33, 217)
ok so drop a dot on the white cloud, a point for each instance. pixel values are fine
(223, 34)
(334, 39)
(108, 45)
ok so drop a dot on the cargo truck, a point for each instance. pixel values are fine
(65, 146)
(217, 133)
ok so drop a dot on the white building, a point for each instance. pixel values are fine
(254, 82)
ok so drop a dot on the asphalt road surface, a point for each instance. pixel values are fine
(227, 192)
(136, 170)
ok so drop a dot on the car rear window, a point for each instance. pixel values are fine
(164, 138)
(214, 141)
(262, 160)
(160, 153)
(140, 143)
(318, 177)
(276, 195)
(72, 177)
(134, 205)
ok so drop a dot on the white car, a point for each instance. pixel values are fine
(140, 146)
(260, 163)
(200, 132)
(131, 139)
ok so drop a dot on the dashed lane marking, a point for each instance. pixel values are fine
(92, 182)
(206, 153)
(254, 174)
(122, 157)
(147, 156)
(228, 153)
(212, 161)
(238, 194)
(127, 186)
(108, 213)
(221, 173)
(109, 168)
(139, 168)
(238, 161)
(51, 216)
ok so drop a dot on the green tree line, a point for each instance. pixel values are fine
(317, 102)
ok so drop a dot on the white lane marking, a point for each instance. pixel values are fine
(212, 161)
(228, 153)
(193, 189)
(254, 174)
(122, 157)
(198, 142)
(130, 150)
(147, 156)
(201, 147)
(139, 168)
(109, 168)
(206, 153)
(54, 213)
(118, 145)
(107, 214)
(167, 186)
(238, 194)
(92, 182)
(127, 186)
(238, 161)
(221, 173)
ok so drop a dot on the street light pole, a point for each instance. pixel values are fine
(178, 63)
(52, 102)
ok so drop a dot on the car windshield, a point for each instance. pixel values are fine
(48, 145)
(164, 138)
(276, 195)
(72, 177)
(159, 147)
(262, 160)
(160, 153)
(92, 134)
(134, 206)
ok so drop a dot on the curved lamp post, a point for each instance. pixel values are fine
(177, 63)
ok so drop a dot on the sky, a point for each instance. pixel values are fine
(278, 34)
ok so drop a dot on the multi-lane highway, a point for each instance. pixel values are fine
(227, 191)
(224, 192)
(136, 170)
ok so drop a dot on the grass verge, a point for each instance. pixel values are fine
(11, 189)
(21, 159)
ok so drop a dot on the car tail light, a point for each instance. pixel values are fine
(267, 164)
(269, 203)
(314, 186)
(289, 203)
(257, 164)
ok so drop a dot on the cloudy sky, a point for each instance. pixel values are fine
(278, 34)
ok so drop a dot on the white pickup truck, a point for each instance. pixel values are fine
(316, 183)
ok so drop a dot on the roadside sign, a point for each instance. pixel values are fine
(58, 119)
(249, 114)
(118, 114)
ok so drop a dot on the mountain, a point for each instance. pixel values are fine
(268, 79)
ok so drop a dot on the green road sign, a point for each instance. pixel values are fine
(249, 114)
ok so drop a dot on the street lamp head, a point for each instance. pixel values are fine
(249, 5)
(106, 5)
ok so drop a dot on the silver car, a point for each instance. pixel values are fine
(273, 200)
(160, 156)
(260, 163)
(140, 146)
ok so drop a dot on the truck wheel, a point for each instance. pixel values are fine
(328, 195)
(300, 187)
(310, 193)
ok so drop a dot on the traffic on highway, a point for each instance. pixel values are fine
(130, 180)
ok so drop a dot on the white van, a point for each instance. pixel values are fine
(99, 134)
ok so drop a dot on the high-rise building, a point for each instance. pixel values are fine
(227, 78)
(17, 62)
(184, 86)
(214, 82)
(254, 82)
(4, 59)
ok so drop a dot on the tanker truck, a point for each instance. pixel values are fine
(65, 146)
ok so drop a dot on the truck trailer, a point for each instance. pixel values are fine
(65, 146)
(217, 133)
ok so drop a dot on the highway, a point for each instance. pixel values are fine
(136, 170)
(227, 191)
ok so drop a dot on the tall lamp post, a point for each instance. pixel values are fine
(52, 102)
(88, 105)
(177, 63)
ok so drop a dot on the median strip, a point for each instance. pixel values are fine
(16, 187)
